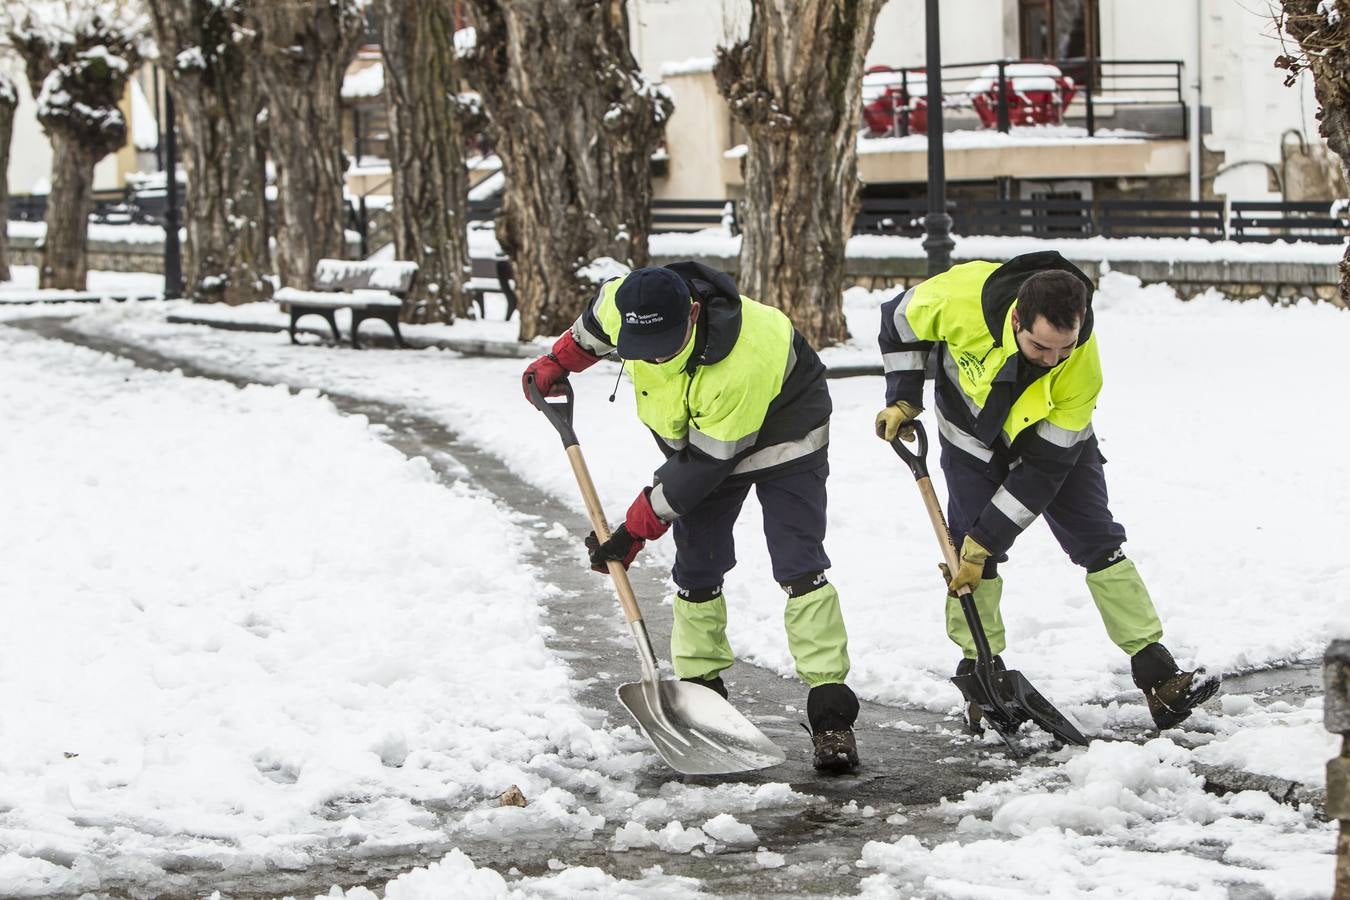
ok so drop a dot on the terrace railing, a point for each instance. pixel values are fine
(1143, 97)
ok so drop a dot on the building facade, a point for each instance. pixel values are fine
(1153, 62)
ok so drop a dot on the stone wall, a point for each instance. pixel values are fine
(1277, 281)
(110, 256)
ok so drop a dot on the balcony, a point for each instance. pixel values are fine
(1069, 118)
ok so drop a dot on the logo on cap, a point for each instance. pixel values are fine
(642, 319)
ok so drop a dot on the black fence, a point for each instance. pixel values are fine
(110, 207)
(1213, 220)
(1247, 221)
(667, 215)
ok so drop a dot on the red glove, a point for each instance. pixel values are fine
(642, 521)
(566, 356)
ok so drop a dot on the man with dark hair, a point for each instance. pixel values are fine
(736, 398)
(1016, 379)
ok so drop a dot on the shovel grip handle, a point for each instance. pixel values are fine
(916, 459)
(558, 411)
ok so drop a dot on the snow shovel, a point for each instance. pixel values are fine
(1005, 698)
(694, 729)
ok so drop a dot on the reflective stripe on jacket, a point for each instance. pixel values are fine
(992, 408)
(745, 400)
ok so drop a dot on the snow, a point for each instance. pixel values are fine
(9, 92)
(457, 876)
(364, 84)
(1022, 76)
(1222, 461)
(144, 126)
(466, 42)
(489, 187)
(1328, 9)
(23, 285)
(1279, 740)
(1018, 136)
(1114, 820)
(718, 242)
(149, 715)
(124, 234)
(602, 269)
(694, 65)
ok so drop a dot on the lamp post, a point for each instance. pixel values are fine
(937, 224)
(173, 257)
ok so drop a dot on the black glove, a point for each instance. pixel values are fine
(621, 546)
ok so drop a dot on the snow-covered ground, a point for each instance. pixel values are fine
(1223, 465)
(22, 286)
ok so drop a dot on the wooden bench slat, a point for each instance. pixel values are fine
(336, 299)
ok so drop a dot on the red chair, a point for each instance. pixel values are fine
(890, 102)
(1038, 94)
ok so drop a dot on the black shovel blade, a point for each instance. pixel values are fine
(1032, 703)
(1013, 701)
(999, 714)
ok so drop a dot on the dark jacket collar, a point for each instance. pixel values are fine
(1001, 287)
(719, 322)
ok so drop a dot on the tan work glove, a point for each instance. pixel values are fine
(897, 419)
(971, 570)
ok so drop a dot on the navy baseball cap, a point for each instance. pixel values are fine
(654, 306)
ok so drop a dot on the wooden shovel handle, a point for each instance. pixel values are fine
(616, 570)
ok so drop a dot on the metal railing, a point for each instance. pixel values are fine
(1245, 221)
(667, 214)
(1141, 96)
(124, 207)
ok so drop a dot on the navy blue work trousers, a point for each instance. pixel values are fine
(1079, 516)
(794, 527)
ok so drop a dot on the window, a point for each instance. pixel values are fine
(1059, 29)
(1036, 29)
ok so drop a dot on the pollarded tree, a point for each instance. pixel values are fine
(207, 50)
(575, 124)
(795, 83)
(304, 49)
(1322, 30)
(427, 133)
(78, 55)
(9, 100)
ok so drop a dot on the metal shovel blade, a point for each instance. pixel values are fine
(1033, 704)
(695, 730)
(1013, 701)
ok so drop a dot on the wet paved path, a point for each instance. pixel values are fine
(910, 767)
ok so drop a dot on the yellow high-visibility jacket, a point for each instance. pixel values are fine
(993, 410)
(745, 401)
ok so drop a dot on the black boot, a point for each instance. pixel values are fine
(712, 684)
(832, 709)
(971, 714)
(1171, 693)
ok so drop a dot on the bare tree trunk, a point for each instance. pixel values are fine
(9, 99)
(575, 125)
(209, 53)
(78, 69)
(1323, 35)
(796, 85)
(306, 46)
(64, 261)
(426, 141)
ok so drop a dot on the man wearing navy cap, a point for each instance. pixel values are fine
(736, 398)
